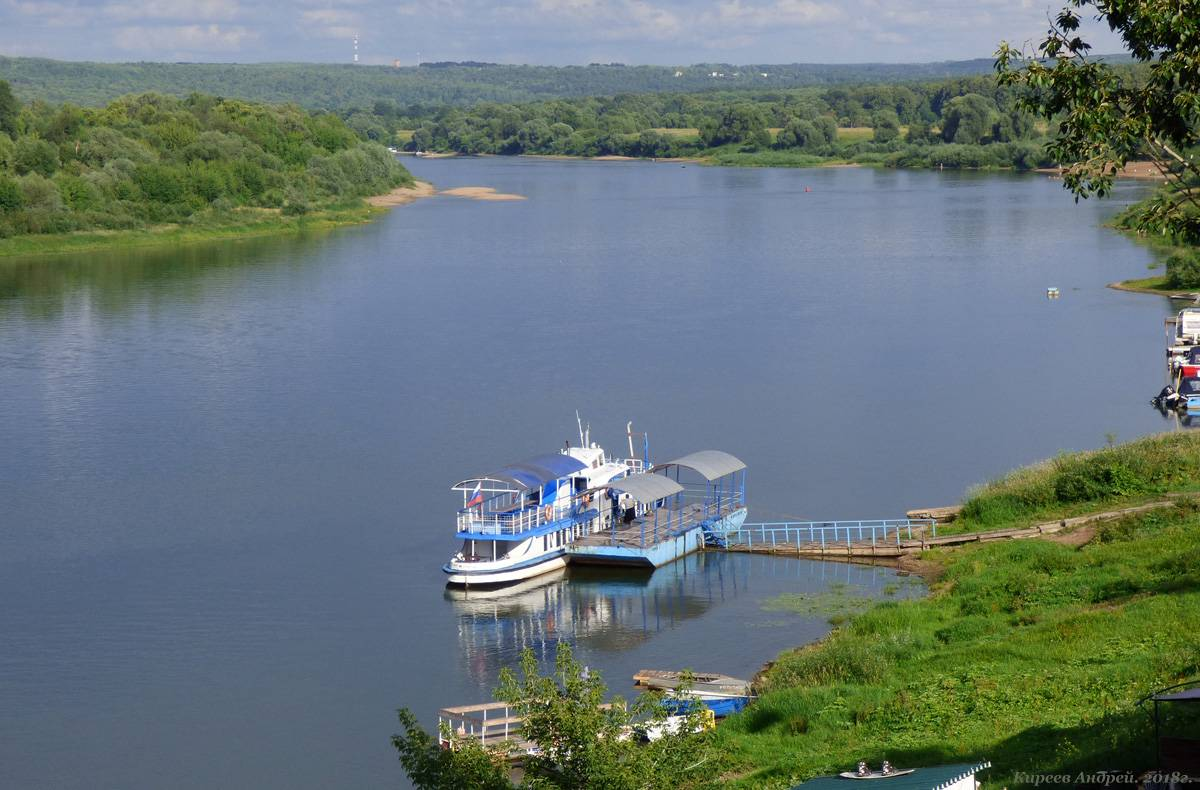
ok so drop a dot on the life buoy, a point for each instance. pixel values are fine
(549, 513)
(587, 500)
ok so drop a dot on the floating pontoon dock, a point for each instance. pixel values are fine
(664, 514)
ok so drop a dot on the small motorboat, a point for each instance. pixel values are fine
(885, 772)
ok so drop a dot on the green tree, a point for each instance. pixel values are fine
(1107, 115)
(10, 109)
(32, 155)
(886, 125)
(582, 743)
(968, 119)
(738, 123)
(11, 197)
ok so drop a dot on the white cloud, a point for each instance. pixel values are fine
(183, 38)
(184, 10)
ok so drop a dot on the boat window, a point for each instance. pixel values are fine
(580, 484)
(503, 547)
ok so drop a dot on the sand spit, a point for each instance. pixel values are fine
(402, 195)
(480, 193)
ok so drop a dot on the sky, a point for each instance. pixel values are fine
(550, 32)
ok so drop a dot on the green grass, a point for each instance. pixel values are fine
(681, 133)
(1027, 653)
(238, 224)
(855, 134)
(731, 156)
(1157, 284)
(1078, 483)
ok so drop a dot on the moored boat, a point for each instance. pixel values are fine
(517, 522)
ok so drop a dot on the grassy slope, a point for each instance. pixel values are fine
(1031, 654)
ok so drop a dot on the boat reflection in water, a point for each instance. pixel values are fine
(704, 612)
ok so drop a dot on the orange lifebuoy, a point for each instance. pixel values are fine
(549, 512)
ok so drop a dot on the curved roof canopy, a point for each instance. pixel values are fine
(712, 464)
(534, 472)
(645, 488)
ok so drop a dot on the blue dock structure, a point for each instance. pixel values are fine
(668, 512)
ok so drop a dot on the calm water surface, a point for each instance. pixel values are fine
(224, 487)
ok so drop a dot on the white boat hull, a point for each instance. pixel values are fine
(492, 576)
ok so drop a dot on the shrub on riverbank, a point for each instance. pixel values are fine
(151, 160)
(1030, 653)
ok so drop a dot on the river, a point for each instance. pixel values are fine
(224, 488)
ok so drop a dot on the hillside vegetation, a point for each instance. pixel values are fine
(330, 86)
(1032, 654)
(148, 160)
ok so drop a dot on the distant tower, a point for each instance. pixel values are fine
(356, 48)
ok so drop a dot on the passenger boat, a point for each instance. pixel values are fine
(517, 522)
(580, 505)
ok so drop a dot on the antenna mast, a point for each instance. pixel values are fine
(356, 48)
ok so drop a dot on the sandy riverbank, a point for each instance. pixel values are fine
(1146, 170)
(480, 193)
(402, 195)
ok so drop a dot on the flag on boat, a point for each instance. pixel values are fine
(476, 496)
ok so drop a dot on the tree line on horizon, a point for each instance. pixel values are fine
(342, 86)
(967, 122)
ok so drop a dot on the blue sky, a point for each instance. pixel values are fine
(668, 32)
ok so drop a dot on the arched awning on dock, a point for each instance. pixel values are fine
(645, 488)
(711, 464)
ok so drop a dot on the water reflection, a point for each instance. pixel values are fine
(50, 286)
(606, 612)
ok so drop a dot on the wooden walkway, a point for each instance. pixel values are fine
(640, 532)
(918, 543)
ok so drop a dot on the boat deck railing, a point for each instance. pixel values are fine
(518, 521)
(823, 533)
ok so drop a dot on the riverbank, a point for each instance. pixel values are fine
(234, 224)
(1029, 653)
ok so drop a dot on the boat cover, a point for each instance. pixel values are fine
(1189, 386)
(534, 472)
(1189, 695)
(646, 488)
(712, 464)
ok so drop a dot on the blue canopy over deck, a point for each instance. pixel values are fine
(532, 473)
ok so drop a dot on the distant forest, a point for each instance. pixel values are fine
(327, 86)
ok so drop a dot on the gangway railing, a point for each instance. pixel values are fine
(823, 533)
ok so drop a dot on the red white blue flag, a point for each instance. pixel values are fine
(476, 496)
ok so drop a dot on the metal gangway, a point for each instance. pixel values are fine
(819, 537)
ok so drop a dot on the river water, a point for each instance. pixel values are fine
(224, 488)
